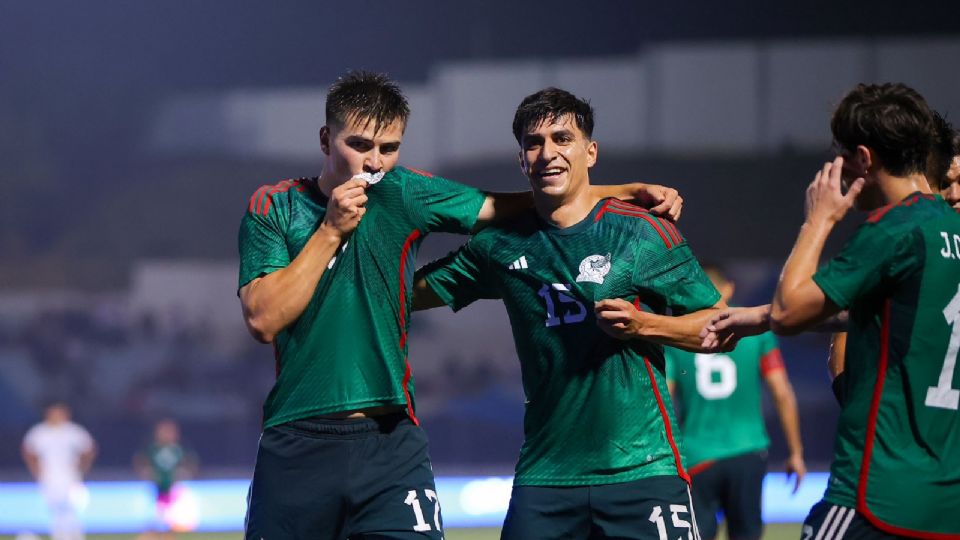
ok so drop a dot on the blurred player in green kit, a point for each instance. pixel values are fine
(164, 462)
(579, 275)
(896, 465)
(724, 438)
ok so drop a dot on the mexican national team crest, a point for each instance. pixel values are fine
(594, 268)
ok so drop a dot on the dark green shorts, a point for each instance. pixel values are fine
(732, 486)
(339, 479)
(656, 508)
(833, 522)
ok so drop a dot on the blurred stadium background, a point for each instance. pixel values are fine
(134, 133)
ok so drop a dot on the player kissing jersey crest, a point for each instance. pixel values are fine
(594, 268)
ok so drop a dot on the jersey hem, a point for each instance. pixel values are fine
(592, 480)
(831, 293)
(300, 415)
(727, 455)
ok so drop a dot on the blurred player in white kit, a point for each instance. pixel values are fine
(58, 453)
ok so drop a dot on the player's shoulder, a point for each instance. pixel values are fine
(270, 197)
(637, 221)
(907, 213)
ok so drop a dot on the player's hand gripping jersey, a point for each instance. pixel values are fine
(897, 451)
(348, 349)
(597, 408)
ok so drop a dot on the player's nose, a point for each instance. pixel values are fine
(374, 162)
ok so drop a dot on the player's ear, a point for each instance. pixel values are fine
(592, 151)
(325, 140)
(865, 159)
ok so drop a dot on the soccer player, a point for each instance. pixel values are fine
(164, 462)
(341, 454)
(896, 467)
(724, 438)
(58, 452)
(943, 173)
(600, 458)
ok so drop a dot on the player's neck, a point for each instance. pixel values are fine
(896, 188)
(329, 181)
(567, 210)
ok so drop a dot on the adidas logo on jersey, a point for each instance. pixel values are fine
(518, 264)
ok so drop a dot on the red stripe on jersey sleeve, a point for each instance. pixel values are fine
(282, 187)
(770, 362)
(602, 210)
(256, 196)
(421, 173)
(674, 232)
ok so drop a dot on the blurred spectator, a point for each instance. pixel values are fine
(58, 453)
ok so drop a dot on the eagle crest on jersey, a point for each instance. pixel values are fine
(594, 268)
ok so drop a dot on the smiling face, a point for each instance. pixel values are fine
(556, 156)
(359, 146)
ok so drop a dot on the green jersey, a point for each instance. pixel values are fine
(165, 460)
(721, 398)
(897, 449)
(597, 409)
(348, 350)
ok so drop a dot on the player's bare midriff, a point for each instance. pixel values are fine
(369, 412)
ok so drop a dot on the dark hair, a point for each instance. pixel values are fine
(945, 140)
(891, 119)
(548, 105)
(362, 96)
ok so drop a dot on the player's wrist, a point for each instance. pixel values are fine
(330, 232)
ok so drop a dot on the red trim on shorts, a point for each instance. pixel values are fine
(700, 467)
(421, 173)
(770, 362)
(871, 437)
(407, 373)
(666, 422)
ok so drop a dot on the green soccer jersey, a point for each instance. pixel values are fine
(721, 398)
(597, 409)
(164, 460)
(897, 449)
(347, 350)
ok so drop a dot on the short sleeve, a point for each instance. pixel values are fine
(674, 276)
(83, 439)
(262, 244)
(461, 277)
(30, 440)
(865, 262)
(437, 204)
(769, 349)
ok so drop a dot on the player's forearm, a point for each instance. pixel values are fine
(273, 302)
(635, 192)
(86, 461)
(33, 464)
(786, 404)
(498, 207)
(794, 308)
(682, 332)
